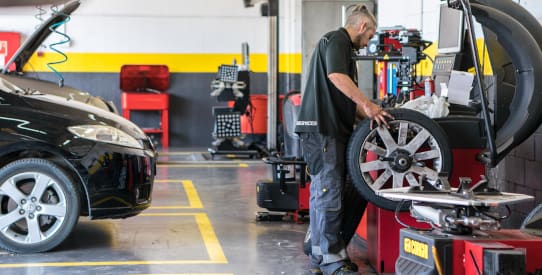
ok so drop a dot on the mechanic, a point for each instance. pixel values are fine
(330, 104)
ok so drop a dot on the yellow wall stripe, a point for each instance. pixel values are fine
(177, 63)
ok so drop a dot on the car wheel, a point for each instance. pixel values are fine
(395, 157)
(39, 205)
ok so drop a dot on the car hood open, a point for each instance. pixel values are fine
(23, 54)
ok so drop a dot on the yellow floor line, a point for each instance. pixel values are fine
(110, 263)
(191, 193)
(209, 239)
(237, 165)
(214, 250)
(207, 233)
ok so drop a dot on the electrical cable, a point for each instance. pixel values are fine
(39, 15)
(399, 206)
(52, 46)
(485, 213)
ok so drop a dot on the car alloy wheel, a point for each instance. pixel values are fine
(39, 205)
(395, 157)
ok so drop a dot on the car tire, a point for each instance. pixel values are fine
(39, 205)
(421, 148)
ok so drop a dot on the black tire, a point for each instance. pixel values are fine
(39, 205)
(354, 205)
(397, 161)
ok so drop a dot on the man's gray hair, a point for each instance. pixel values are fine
(359, 13)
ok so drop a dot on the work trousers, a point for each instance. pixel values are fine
(325, 157)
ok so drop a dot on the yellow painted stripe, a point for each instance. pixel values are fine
(238, 165)
(209, 238)
(194, 201)
(177, 63)
(214, 250)
(110, 263)
(207, 233)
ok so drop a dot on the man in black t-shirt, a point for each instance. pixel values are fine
(330, 104)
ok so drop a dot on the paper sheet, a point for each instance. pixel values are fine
(459, 87)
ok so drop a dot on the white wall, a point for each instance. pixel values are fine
(424, 14)
(534, 6)
(166, 26)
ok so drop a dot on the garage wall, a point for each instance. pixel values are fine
(192, 37)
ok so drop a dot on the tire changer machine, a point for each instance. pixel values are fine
(461, 220)
(463, 235)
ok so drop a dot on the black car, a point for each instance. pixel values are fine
(61, 158)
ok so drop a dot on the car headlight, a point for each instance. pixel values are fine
(107, 134)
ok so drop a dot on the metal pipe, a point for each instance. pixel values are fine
(480, 83)
(272, 83)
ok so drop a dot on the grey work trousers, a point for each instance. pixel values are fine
(325, 157)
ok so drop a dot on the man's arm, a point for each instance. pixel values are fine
(363, 104)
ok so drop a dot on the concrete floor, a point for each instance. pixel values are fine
(202, 221)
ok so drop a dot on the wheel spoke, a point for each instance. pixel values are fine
(42, 182)
(373, 166)
(431, 154)
(428, 172)
(9, 219)
(381, 180)
(411, 180)
(387, 138)
(56, 210)
(398, 179)
(402, 136)
(417, 141)
(375, 149)
(9, 189)
(34, 231)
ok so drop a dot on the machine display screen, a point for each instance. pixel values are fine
(450, 36)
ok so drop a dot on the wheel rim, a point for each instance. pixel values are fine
(33, 207)
(396, 157)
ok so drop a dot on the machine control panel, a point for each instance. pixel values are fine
(444, 64)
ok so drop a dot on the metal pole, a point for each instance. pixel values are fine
(272, 82)
(491, 159)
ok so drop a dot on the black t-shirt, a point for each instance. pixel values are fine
(324, 108)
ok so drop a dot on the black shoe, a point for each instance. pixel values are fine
(345, 270)
(351, 265)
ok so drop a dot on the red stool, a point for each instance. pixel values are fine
(144, 89)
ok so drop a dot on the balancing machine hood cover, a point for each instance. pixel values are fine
(515, 40)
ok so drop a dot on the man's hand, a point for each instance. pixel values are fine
(374, 113)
